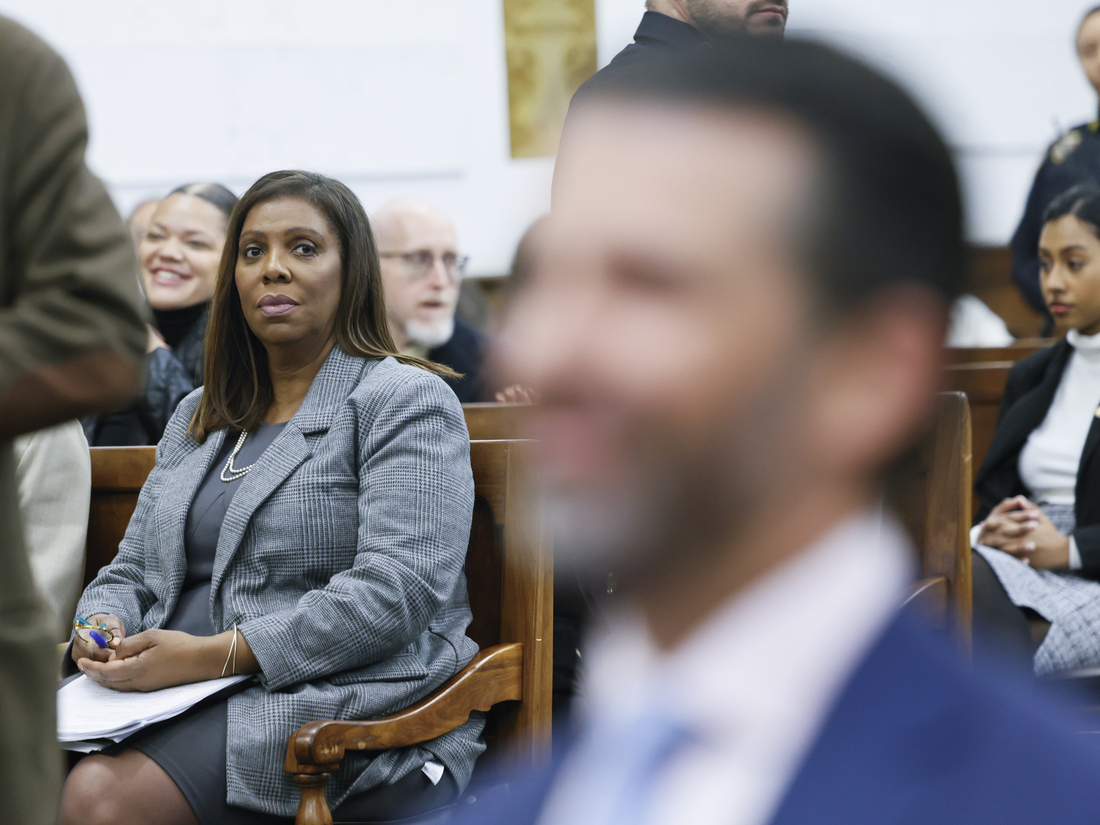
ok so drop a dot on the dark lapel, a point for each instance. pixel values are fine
(1030, 409)
(886, 742)
(337, 378)
(1090, 447)
(170, 514)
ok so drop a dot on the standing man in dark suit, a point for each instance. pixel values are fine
(731, 350)
(669, 25)
(682, 24)
(422, 272)
(71, 340)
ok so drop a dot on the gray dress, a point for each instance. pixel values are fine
(191, 749)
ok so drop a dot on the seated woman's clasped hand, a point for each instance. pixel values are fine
(155, 659)
(1020, 528)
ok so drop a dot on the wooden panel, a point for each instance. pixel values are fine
(118, 474)
(991, 280)
(493, 421)
(984, 384)
(1014, 352)
(527, 615)
(948, 510)
(122, 468)
(930, 490)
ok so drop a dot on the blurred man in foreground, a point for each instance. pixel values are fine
(731, 349)
(71, 340)
(422, 272)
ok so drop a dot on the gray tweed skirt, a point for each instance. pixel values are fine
(1069, 602)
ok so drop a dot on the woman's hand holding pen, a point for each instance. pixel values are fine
(155, 659)
(86, 649)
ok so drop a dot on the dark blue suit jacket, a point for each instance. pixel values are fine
(915, 739)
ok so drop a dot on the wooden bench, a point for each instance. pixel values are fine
(984, 386)
(509, 569)
(490, 421)
(1021, 348)
(931, 493)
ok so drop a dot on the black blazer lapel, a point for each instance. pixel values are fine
(1091, 441)
(1029, 409)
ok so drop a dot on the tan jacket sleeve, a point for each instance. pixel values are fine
(68, 277)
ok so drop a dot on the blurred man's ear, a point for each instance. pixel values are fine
(875, 378)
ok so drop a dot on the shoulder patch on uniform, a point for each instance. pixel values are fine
(1065, 146)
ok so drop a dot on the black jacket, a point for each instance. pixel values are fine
(169, 376)
(463, 353)
(1073, 159)
(656, 35)
(1028, 394)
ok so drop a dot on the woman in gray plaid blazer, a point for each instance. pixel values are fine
(307, 521)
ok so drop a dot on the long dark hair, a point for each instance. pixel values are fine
(238, 389)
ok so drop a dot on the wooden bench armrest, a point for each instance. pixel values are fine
(493, 675)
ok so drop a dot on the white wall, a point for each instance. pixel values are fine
(410, 97)
(392, 98)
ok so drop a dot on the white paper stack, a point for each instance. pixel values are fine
(90, 717)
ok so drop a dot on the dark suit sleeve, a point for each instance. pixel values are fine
(69, 274)
(1025, 241)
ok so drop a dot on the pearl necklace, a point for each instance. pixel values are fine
(231, 473)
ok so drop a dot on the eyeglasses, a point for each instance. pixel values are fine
(93, 634)
(421, 261)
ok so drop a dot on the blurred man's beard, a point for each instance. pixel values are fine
(430, 335)
(714, 23)
(683, 501)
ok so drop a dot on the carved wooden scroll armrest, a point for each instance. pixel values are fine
(315, 750)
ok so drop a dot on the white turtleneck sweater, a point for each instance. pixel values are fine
(1049, 460)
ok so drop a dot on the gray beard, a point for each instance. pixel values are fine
(430, 336)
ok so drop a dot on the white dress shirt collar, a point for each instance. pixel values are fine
(756, 681)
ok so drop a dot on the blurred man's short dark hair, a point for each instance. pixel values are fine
(889, 209)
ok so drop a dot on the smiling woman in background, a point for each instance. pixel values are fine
(1039, 486)
(307, 522)
(179, 257)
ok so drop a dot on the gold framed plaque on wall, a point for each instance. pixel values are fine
(551, 50)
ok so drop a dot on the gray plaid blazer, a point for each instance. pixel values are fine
(341, 561)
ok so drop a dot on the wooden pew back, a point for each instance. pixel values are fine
(931, 493)
(493, 421)
(1018, 349)
(117, 476)
(984, 385)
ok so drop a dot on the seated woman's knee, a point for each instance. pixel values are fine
(94, 795)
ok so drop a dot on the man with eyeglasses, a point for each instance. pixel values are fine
(422, 271)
